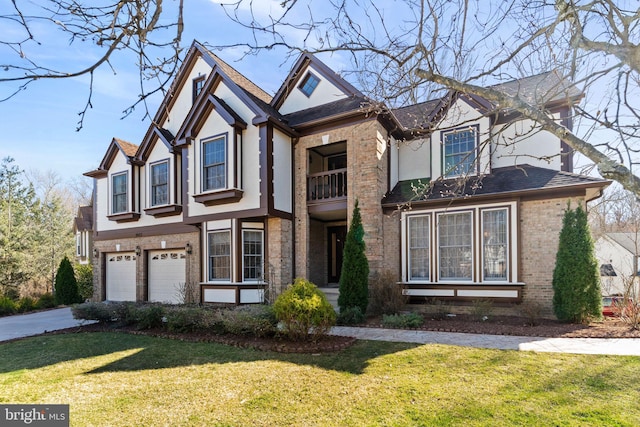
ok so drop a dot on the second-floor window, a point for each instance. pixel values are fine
(160, 183)
(119, 197)
(460, 152)
(309, 84)
(214, 168)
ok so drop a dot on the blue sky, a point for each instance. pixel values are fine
(38, 126)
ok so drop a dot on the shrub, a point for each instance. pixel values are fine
(98, 311)
(576, 284)
(304, 311)
(26, 304)
(186, 319)
(7, 306)
(126, 312)
(66, 287)
(385, 295)
(254, 320)
(532, 311)
(84, 279)
(354, 277)
(481, 309)
(46, 301)
(409, 320)
(149, 316)
(351, 316)
(440, 309)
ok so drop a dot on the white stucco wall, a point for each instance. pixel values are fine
(324, 93)
(282, 185)
(523, 142)
(184, 98)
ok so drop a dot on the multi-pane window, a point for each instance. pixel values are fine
(214, 168)
(220, 255)
(198, 85)
(309, 84)
(252, 254)
(459, 152)
(494, 244)
(419, 247)
(455, 246)
(119, 196)
(160, 184)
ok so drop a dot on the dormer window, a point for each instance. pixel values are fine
(460, 151)
(198, 85)
(309, 84)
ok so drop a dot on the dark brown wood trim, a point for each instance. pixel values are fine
(219, 197)
(269, 170)
(124, 217)
(153, 230)
(332, 205)
(97, 173)
(233, 287)
(334, 122)
(163, 211)
(263, 145)
(247, 213)
(236, 252)
(518, 287)
(184, 182)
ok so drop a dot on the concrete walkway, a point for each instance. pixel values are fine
(25, 325)
(611, 346)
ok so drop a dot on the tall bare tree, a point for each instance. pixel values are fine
(406, 51)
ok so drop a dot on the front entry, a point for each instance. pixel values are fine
(335, 246)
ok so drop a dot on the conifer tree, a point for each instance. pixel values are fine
(576, 282)
(66, 290)
(354, 278)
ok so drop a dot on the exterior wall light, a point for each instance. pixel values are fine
(95, 252)
(138, 251)
(188, 248)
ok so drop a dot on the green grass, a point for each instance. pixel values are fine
(128, 380)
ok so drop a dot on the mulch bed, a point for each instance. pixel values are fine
(504, 325)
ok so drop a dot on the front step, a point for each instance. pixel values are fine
(332, 296)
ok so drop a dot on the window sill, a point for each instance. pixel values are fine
(124, 217)
(219, 197)
(165, 210)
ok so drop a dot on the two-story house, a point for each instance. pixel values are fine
(232, 189)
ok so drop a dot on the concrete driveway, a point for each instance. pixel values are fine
(25, 325)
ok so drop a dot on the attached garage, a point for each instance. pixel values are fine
(121, 276)
(166, 276)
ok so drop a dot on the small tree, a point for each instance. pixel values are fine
(66, 291)
(84, 279)
(576, 284)
(354, 278)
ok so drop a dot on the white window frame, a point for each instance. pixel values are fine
(244, 255)
(472, 246)
(210, 256)
(410, 221)
(473, 166)
(152, 166)
(125, 194)
(483, 245)
(222, 139)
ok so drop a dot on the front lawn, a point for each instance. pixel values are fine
(127, 380)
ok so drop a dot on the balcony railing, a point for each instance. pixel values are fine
(327, 186)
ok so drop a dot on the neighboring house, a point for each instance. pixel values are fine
(232, 188)
(83, 229)
(618, 255)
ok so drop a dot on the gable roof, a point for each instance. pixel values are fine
(629, 241)
(507, 181)
(84, 219)
(128, 149)
(305, 61)
(546, 89)
(331, 110)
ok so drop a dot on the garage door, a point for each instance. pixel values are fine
(166, 275)
(121, 276)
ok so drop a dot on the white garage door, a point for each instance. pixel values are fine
(166, 275)
(121, 276)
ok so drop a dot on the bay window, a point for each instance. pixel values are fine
(252, 255)
(419, 236)
(455, 246)
(220, 255)
(495, 244)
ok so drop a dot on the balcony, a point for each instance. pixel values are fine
(327, 191)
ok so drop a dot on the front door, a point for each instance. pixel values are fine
(335, 245)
